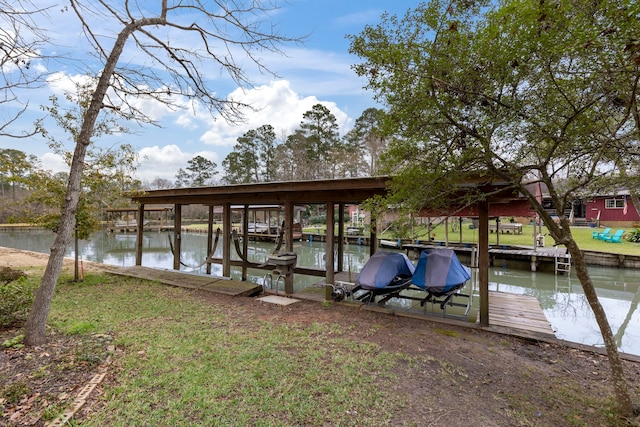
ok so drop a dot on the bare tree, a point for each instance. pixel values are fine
(218, 32)
(159, 183)
(20, 40)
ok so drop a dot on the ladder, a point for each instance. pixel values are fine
(563, 262)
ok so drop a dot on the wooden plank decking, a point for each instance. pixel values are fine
(521, 312)
(510, 311)
(193, 281)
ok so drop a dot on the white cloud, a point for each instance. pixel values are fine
(61, 83)
(54, 163)
(275, 104)
(164, 162)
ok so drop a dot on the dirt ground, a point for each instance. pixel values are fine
(464, 376)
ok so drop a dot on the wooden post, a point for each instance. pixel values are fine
(373, 241)
(483, 262)
(177, 230)
(245, 238)
(446, 231)
(330, 274)
(139, 235)
(209, 238)
(288, 236)
(341, 237)
(226, 248)
(288, 226)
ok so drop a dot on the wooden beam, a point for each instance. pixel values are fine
(288, 236)
(139, 234)
(245, 238)
(177, 230)
(340, 237)
(483, 261)
(226, 247)
(288, 226)
(209, 237)
(373, 241)
(330, 275)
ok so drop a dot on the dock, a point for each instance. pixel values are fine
(536, 258)
(519, 315)
(182, 279)
(522, 312)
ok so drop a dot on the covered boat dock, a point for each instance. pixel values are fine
(335, 195)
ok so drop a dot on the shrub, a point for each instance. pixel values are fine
(633, 236)
(16, 296)
(8, 275)
(317, 220)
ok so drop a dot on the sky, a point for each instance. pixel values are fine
(317, 71)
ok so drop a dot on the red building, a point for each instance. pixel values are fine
(612, 210)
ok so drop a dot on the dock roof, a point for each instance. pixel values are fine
(344, 190)
(347, 190)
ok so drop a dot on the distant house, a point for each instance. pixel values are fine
(615, 210)
(612, 210)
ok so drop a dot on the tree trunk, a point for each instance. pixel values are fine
(621, 388)
(35, 327)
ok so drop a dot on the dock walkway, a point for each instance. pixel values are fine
(515, 314)
(536, 257)
(521, 312)
(182, 279)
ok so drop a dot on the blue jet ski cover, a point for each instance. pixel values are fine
(382, 268)
(440, 270)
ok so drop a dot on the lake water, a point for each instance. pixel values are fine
(560, 297)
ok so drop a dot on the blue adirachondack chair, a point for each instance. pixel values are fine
(614, 238)
(600, 234)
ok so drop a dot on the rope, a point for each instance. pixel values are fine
(207, 259)
(236, 243)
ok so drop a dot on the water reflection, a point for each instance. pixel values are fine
(561, 297)
(565, 306)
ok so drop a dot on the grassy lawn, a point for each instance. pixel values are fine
(183, 358)
(189, 363)
(582, 235)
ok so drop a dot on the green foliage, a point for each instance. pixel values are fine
(633, 235)
(523, 92)
(314, 151)
(16, 296)
(107, 173)
(364, 142)
(8, 275)
(252, 158)
(317, 220)
(15, 342)
(13, 392)
(81, 327)
(505, 89)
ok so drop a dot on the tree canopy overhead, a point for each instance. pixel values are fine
(539, 90)
(528, 91)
